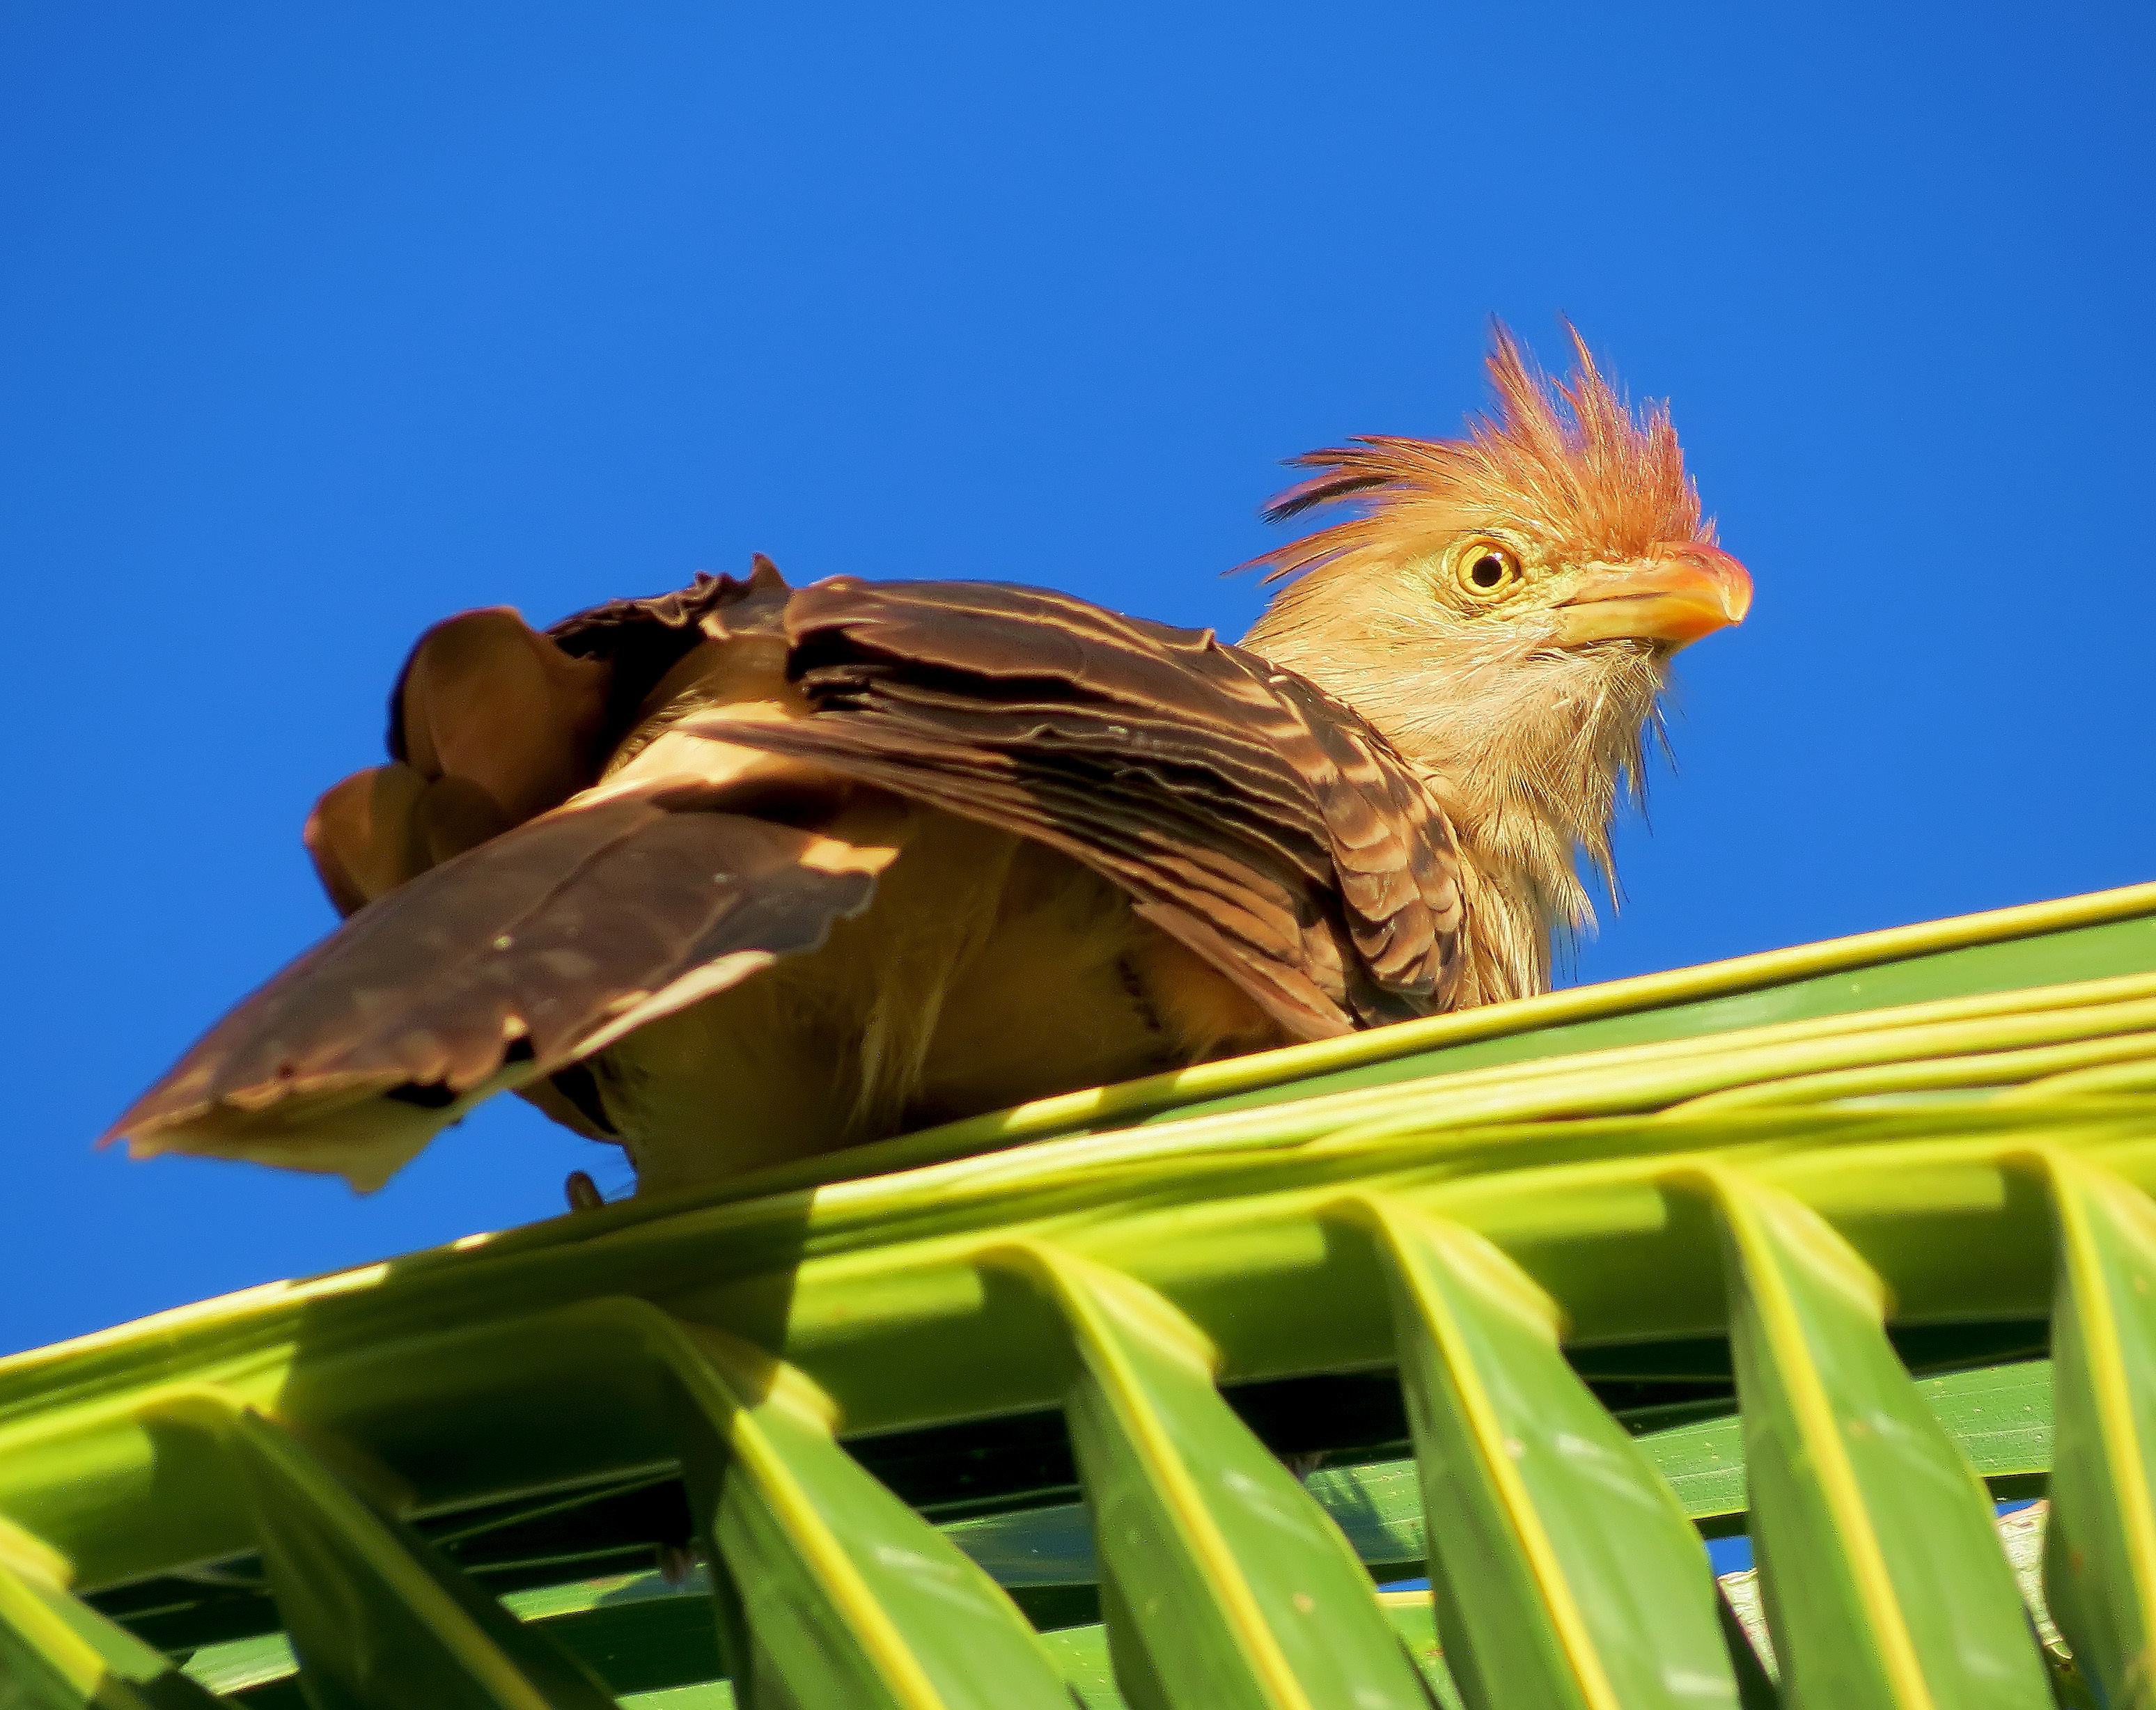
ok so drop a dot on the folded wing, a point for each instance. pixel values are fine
(1247, 814)
(1263, 825)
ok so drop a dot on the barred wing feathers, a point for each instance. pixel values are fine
(498, 968)
(1248, 814)
(1245, 814)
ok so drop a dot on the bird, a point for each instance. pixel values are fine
(745, 873)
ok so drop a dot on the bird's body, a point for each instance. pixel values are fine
(927, 1005)
(746, 873)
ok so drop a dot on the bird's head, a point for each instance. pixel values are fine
(1503, 607)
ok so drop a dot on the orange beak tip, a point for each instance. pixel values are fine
(1726, 573)
(1685, 590)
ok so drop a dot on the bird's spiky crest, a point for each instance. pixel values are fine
(1568, 464)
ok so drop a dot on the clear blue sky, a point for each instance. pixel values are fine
(317, 323)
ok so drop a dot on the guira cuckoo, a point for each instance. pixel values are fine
(743, 873)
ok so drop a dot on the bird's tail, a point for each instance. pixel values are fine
(505, 966)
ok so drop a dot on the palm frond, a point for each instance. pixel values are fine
(1778, 1245)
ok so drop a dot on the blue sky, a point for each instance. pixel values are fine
(316, 324)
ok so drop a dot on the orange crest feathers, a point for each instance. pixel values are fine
(1567, 464)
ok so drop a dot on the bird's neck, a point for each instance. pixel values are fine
(1528, 752)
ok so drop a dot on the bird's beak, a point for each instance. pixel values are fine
(1684, 592)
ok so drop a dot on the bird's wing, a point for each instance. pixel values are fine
(1258, 822)
(500, 967)
(1249, 815)
(482, 952)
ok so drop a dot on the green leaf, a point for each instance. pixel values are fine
(375, 1616)
(1416, 1622)
(1223, 1583)
(56, 1653)
(2100, 1550)
(701, 1695)
(1885, 1082)
(1702, 1463)
(2000, 1418)
(1566, 1574)
(1045, 1546)
(1082, 1654)
(833, 1591)
(1377, 1507)
(637, 1632)
(1885, 1585)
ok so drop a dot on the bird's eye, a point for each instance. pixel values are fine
(1485, 569)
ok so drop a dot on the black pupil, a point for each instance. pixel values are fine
(1488, 570)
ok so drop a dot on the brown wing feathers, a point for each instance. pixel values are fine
(531, 950)
(1244, 812)
(1249, 814)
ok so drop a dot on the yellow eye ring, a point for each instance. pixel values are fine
(1485, 569)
